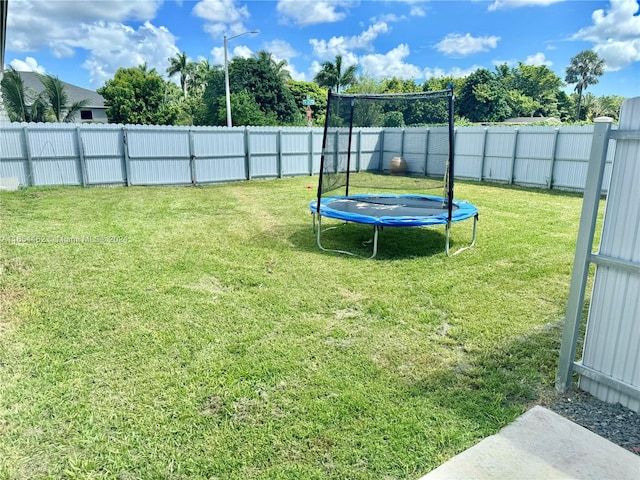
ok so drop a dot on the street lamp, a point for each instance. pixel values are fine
(226, 73)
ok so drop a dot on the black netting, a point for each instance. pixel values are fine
(400, 141)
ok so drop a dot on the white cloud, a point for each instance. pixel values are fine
(222, 16)
(455, 44)
(504, 4)
(312, 12)
(33, 24)
(618, 55)
(417, 11)
(390, 64)
(217, 53)
(114, 45)
(29, 64)
(615, 34)
(537, 60)
(454, 72)
(342, 45)
(64, 27)
(281, 49)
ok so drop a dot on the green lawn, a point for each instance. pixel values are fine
(196, 333)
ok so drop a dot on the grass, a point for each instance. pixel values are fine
(194, 333)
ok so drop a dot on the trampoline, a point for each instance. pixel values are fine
(386, 210)
(401, 135)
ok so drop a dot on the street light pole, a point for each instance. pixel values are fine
(226, 73)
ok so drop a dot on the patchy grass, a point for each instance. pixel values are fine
(200, 333)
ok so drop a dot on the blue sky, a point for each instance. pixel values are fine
(85, 41)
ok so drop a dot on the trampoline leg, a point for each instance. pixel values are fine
(319, 239)
(473, 239)
(376, 229)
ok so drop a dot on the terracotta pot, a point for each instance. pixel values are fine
(398, 166)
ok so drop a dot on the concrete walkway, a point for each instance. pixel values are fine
(541, 445)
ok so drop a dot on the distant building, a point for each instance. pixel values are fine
(530, 120)
(94, 111)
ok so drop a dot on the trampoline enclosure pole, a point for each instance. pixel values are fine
(451, 155)
(353, 101)
(324, 145)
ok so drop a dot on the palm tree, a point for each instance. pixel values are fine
(180, 64)
(200, 75)
(280, 68)
(332, 76)
(21, 104)
(584, 70)
(58, 99)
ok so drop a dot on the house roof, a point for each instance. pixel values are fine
(95, 100)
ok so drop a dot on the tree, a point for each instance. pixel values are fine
(301, 90)
(332, 76)
(280, 68)
(199, 77)
(261, 82)
(58, 100)
(483, 98)
(181, 65)
(584, 70)
(20, 107)
(139, 96)
(25, 105)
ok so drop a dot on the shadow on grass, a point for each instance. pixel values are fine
(488, 388)
(394, 243)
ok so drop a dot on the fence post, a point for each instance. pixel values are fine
(584, 244)
(310, 152)
(125, 149)
(81, 158)
(27, 149)
(426, 152)
(553, 158)
(513, 155)
(192, 159)
(247, 153)
(359, 152)
(279, 152)
(381, 159)
(484, 150)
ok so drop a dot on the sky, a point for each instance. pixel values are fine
(84, 42)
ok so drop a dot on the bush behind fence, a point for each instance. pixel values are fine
(108, 154)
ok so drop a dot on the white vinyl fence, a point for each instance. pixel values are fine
(610, 365)
(107, 154)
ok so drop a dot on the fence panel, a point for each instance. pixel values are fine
(613, 327)
(469, 152)
(294, 151)
(499, 154)
(534, 155)
(158, 155)
(415, 148)
(264, 152)
(219, 154)
(438, 151)
(13, 153)
(103, 152)
(54, 154)
(88, 154)
(370, 148)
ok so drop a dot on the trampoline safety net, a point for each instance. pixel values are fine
(390, 135)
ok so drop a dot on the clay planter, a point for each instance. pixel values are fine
(398, 166)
